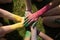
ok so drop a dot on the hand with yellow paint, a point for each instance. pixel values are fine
(10, 16)
(9, 28)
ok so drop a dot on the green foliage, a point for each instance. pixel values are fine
(19, 7)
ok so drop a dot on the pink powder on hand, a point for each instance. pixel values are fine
(43, 10)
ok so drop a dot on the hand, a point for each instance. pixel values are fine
(29, 26)
(22, 19)
(31, 18)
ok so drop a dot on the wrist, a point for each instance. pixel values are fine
(36, 15)
(42, 10)
(16, 26)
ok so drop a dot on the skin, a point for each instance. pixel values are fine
(5, 1)
(42, 35)
(9, 15)
(51, 21)
(32, 30)
(52, 12)
(34, 17)
(50, 17)
(27, 35)
(41, 12)
(9, 28)
(37, 14)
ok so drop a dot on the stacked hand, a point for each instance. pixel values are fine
(30, 19)
(34, 17)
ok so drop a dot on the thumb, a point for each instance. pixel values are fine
(22, 20)
(27, 13)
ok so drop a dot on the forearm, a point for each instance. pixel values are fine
(51, 5)
(9, 15)
(54, 3)
(43, 10)
(5, 1)
(9, 28)
(53, 12)
(44, 36)
(27, 35)
(52, 21)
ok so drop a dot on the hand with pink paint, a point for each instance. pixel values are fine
(34, 17)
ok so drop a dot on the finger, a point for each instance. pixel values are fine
(28, 24)
(26, 18)
(27, 21)
(31, 21)
(34, 24)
